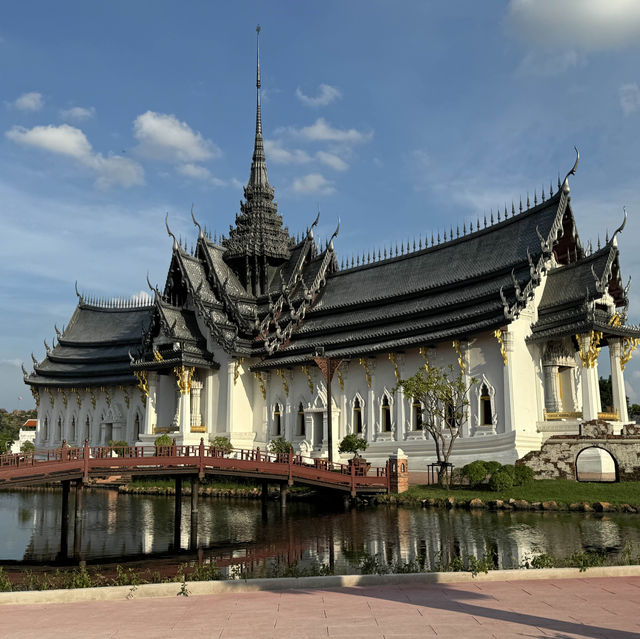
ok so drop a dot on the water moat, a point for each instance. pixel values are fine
(242, 538)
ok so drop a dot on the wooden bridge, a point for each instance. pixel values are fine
(84, 463)
(81, 464)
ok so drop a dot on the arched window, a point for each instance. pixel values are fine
(88, 428)
(73, 429)
(136, 427)
(277, 421)
(386, 414)
(301, 426)
(59, 427)
(449, 415)
(357, 416)
(486, 412)
(46, 428)
(416, 409)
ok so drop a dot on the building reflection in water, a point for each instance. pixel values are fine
(241, 539)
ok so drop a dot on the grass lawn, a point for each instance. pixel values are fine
(559, 490)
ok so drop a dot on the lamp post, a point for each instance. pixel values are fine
(328, 366)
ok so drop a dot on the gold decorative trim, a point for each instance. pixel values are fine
(263, 389)
(423, 351)
(551, 416)
(614, 416)
(198, 429)
(305, 370)
(143, 384)
(65, 397)
(503, 351)
(78, 397)
(283, 377)
(125, 392)
(50, 397)
(367, 372)
(590, 358)
(157, 355)
(615, 320)
(340, 380)
(184, 378)
(236, 369)
(396, 370)
(92, 396)
(36, 396)
(461, 362)
(629, 344)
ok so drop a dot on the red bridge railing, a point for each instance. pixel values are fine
(288, 466)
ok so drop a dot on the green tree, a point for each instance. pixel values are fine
(27, 447)
(443, 394)
(279, 445)
(223, 444)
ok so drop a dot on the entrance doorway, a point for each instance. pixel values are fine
(597, 465)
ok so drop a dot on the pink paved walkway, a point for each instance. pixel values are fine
(564, 608)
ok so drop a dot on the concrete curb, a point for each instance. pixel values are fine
(122, 593)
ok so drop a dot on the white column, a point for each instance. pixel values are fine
(509, 387)
(196, 417)
(552, 399)
(590, 386)
(400, 403)
(617, 380)
(184, 412)
(230, 373)
(150, 411)
(371, 408)
(209, 420)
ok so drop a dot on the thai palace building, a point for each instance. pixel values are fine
(229, 345)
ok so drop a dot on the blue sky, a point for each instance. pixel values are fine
(400, 118)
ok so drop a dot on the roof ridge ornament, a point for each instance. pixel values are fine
(572, 171)
(166, 223)
(193, 217)
(621, 227)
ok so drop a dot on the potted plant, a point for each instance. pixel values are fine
(222, 445)
(280, 447)
(353, 444)
(163, 445)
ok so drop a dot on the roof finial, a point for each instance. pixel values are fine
(166, 223)
(572, 171)
(193, 217)
(621, 227)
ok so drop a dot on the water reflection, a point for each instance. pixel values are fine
(243, 539)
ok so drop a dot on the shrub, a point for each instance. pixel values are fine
(524, 475)
(352, 444)
(475, 472)
(27, 447)
(511, 470)
(163, 440)
(492, 466)
(118, 447)
(279, 445)
(501, 480)
(222, 443)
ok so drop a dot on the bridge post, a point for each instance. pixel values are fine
(77, 521)
(64, 523)
(284, 491)
(63, 450)
(177, 514)
(201, 459)
(353, 481)
(193, 532)
(86, 454)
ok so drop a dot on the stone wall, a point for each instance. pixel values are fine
(557, 457)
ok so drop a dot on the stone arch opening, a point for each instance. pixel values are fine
(596, 464)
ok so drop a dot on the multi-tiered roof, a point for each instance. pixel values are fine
(260, 294)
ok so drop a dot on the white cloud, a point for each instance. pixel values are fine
(332, 160)
(164, 137)
(322, 131)
(326, 95)
(277, 154)
(77, 113)
(198, 172)
(587, 25)
(10, 362)
(72, 142)
(630, 98)
(32, 101)
(313, 183)
(549, 63)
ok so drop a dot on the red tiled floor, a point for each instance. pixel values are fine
(565, 609)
